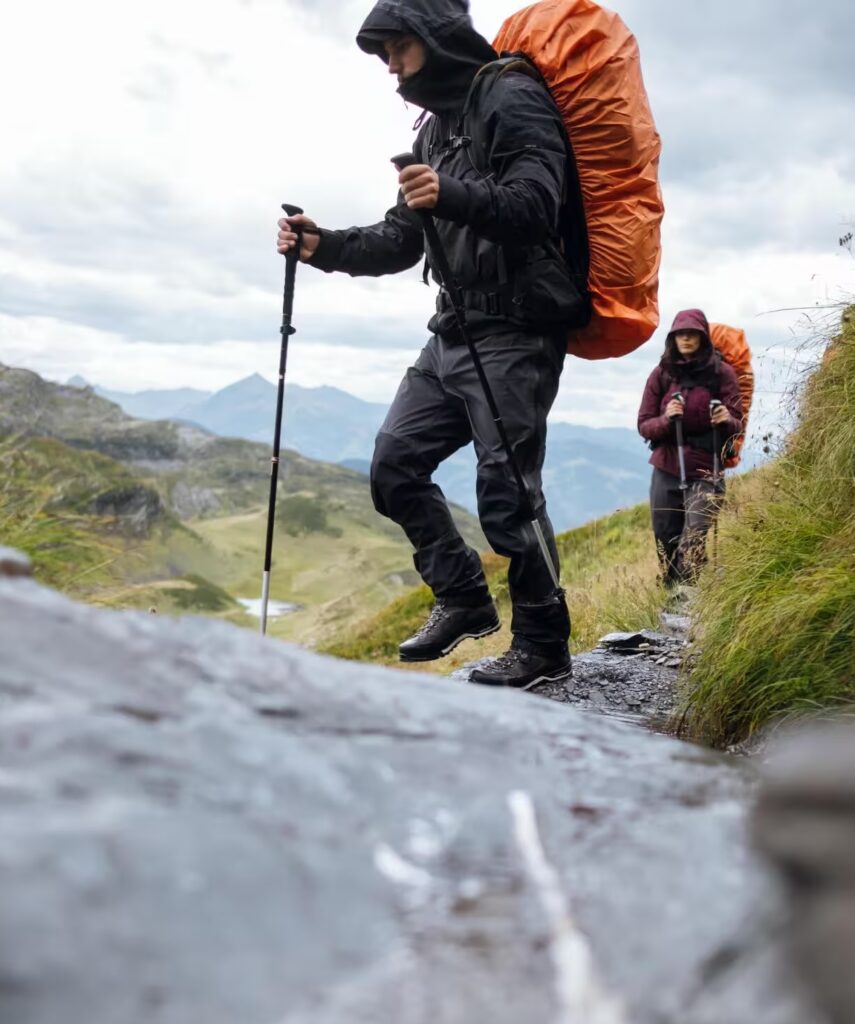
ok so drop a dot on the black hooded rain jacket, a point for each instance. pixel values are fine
(501, 197)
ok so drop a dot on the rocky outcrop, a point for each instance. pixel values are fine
(201, 825)
(187, 501)
(134, 508)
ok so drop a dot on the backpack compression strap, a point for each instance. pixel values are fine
(510, 62)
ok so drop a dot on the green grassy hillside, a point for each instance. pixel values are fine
(777, 620)
(92, 528)
(146, 514)
(608, 568)
(40, 513)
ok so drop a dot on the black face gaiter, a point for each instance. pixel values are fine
(442, 84)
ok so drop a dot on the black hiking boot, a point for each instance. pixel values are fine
(446, 627)
(523, 668)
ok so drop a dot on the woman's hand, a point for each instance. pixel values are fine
(674, 408)
(720, 416)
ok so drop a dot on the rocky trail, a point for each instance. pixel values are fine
(629, 676)
(201, 825)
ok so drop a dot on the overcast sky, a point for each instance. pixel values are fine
(147, 148)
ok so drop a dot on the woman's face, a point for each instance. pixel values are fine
(687, 342)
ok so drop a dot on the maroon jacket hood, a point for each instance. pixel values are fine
(691, 320)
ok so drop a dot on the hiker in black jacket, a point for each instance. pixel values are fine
(491, 166)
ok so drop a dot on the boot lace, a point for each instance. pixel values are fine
(436, 616)
(513, 656)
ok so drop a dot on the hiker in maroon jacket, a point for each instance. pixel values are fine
(694, 370)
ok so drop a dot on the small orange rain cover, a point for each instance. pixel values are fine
(590, 61)
(733, 345)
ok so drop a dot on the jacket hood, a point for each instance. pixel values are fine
(689, 320)
(455, 51)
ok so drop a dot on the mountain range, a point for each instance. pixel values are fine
(588, 472)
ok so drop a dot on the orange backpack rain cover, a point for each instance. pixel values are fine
(590, 61)
(733, 346)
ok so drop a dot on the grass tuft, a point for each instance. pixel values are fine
(38, 516)
(776, 620)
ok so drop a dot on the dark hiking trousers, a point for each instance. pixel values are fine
(681, 521)
(439, 408)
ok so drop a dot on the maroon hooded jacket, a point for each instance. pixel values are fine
(700, 379)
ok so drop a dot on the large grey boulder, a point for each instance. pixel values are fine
(805, 822)
(201, 825)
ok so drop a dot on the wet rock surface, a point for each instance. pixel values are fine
(200, 825)
(631, 675)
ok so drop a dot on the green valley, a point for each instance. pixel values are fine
(160, 515)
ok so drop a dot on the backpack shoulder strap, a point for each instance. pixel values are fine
(488, 75)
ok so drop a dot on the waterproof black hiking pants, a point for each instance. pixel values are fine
(681, 521)
(439, 408)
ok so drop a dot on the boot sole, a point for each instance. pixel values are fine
(556, 677)
(408, 659)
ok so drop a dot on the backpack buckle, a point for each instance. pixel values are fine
(459, 142)
(493, 303)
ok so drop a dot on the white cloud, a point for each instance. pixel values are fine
(144, 164)
(58, 351)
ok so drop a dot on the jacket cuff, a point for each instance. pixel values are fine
(328, 253)
(664, 428)
(453, 201)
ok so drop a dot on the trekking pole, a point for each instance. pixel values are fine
(286, 330)
(449, 283)
(681, 445)
(716, 475)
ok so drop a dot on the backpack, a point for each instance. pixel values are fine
(732, 345)
(590, 62)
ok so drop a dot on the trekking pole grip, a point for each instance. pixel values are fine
(434, 245)
(292, 258)
(404, 160)
(294, 211)
(401, 162)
